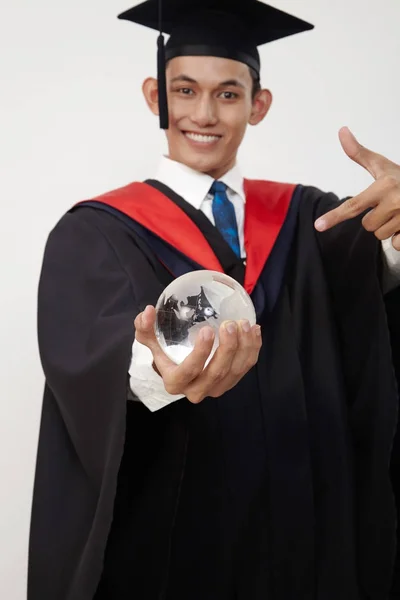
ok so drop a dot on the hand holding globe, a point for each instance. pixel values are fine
(221, 327)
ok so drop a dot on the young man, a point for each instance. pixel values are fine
(265, 474)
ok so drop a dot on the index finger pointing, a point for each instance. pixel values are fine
(349, 209)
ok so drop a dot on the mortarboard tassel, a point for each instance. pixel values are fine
(161, 76)
(162, 84)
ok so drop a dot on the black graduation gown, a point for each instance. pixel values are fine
(279, 489)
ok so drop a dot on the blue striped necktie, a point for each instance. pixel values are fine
(224, 216)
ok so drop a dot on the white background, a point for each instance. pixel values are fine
(73, 124)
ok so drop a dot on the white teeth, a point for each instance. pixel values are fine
(205, 139)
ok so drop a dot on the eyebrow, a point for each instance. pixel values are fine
(227, 83)
(183, 78)
(231, 83)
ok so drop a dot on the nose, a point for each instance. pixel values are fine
(204, 113)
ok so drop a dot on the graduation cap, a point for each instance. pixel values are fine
(223, 28)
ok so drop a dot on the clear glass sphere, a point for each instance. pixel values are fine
(193, 301)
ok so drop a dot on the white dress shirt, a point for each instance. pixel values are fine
(194, 187)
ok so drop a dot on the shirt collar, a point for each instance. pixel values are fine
(192, 185)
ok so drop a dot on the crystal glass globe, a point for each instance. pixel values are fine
(196, 300)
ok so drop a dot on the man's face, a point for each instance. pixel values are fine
(210, 105)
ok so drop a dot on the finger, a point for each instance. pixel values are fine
(389, 229)
(374, 163)
(219, 365)
(383, 213)
(193, 365)
(349, 209)
(246, 357)
(221, 362)
(396, 241)
(248, 349)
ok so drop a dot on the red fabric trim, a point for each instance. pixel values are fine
(267, 204)
(149, 207)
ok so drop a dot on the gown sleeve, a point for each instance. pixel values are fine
(367, 319)
(86, 312)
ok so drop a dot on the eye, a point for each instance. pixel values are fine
(229, 95)
(208, 312)
(186, 91)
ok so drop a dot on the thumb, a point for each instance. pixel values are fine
(144, 325)
(145, 334)
(371, 161)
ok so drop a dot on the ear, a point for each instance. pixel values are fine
(261, 105)
(150, 93)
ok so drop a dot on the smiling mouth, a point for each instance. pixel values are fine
(202, 138)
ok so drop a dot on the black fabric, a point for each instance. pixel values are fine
(393, 312)
(211, 23)
(279, 489)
